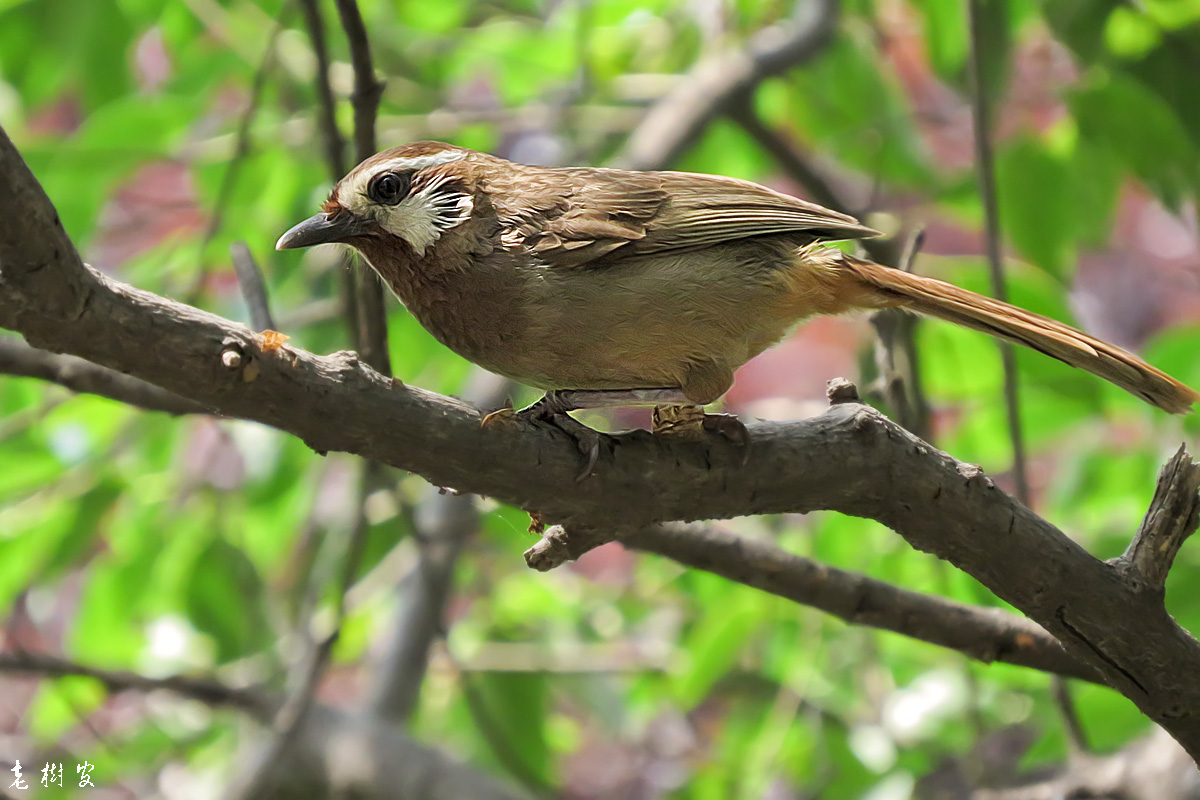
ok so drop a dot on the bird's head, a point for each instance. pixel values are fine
(412, 194)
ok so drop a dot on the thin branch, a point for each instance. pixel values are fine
(718, 83)
(898, 358)
(331, 135)
(896, 330)
(985, 167)
(1173, 516)
(241, 148)
(205, 690)
(335, 152)
(78, 375)
(985, 634)
(792, 162)
(372, 340)
(254, 288)
(1076, 736)
(445, 523)
(1151, 767)
(368, 88)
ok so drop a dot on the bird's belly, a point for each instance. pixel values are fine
(615, 328)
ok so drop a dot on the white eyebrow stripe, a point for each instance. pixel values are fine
(420, 162)
(358, 184)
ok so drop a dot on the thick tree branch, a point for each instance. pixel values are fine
(985, 634)
(849, 459)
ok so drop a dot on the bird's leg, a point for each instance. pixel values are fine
(674, 415)
(554, 405)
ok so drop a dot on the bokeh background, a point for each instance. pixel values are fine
(165, 132)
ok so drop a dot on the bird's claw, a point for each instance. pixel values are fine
(690, 423)
(586, 439)
(500, 415)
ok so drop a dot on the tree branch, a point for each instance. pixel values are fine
(718, 83)
(205, 690)
(1173, 516)
(78, 375)
(985, 168)
(368, 91)
(335, 754)
(444, 524)
(985, 634)
(254, 289)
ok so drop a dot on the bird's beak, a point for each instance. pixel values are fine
(322, 229)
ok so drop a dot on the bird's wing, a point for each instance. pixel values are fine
(591, 213)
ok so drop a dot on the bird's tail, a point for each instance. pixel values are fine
(945, 301)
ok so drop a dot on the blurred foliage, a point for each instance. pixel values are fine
(139, 541)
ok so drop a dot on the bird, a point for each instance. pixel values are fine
(609, 287)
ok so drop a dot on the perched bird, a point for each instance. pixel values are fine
(611, 288)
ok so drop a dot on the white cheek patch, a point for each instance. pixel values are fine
(422, 217)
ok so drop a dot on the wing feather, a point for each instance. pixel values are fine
(584, 214)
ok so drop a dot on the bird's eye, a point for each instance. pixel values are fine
(389, 188)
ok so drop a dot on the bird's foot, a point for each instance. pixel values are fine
(499, 416)
(689, 423)
(552, 408)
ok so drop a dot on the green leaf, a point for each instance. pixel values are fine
(946, 38)
(224, 599)
(717, 642)
(510, 709)
(1034, 196)
(1140, 129)
(61, 704)
(84, 527)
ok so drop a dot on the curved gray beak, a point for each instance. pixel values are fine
(322, 229)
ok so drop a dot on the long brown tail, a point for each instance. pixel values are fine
(945, 301)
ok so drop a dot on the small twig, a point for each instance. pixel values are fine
(372, 337)
(331, 136)
(984, 165)
(899, 376)
(205, 690)
(898, 358)
(787, 156)
(78, 375)
(1070, 715)
(368, 88)
(797, 167)
(335, 154)
(241, 150)
(716, 84)
(254, 289)
(1173, 516)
